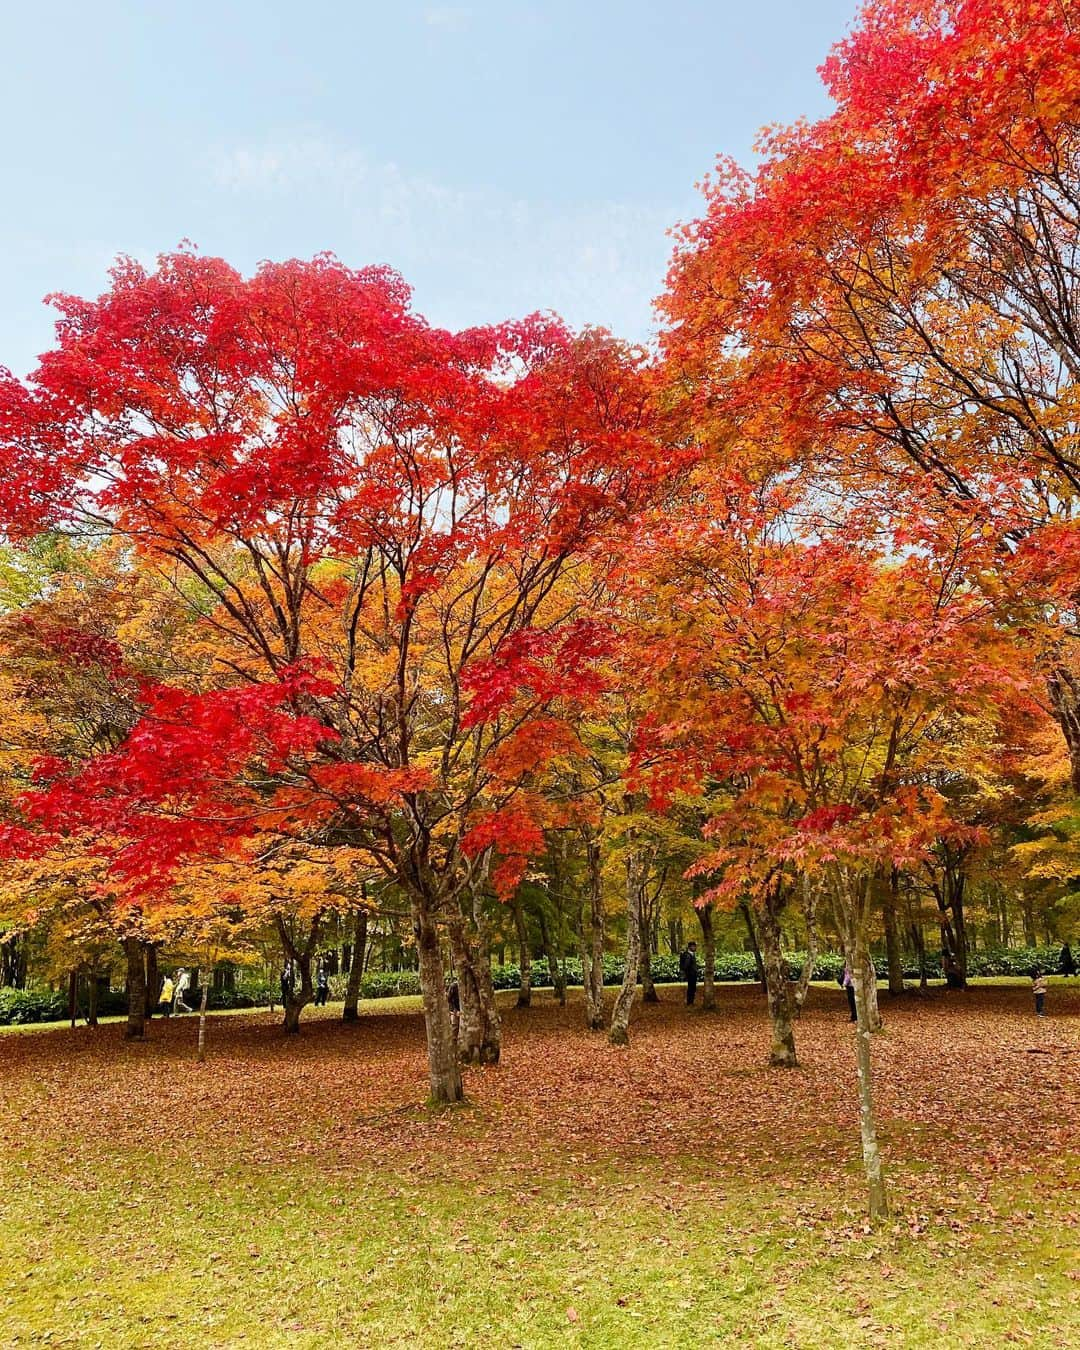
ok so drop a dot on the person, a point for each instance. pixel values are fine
(847, 980)
(286, 984)
(1038, 988)
(688, 971)
(1067, 962)
(166, 997)
(183, 984)
(453, 998)
(322, 985)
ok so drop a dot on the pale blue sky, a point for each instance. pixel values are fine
(504, 156)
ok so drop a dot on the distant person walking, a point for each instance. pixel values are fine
(847, 980)
(286, 984)
(1067, 962)
(166, 997)
(322, 985)
(688, 971)
(183, 984)
(1038, 988)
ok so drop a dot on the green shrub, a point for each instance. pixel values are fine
(19, 1006)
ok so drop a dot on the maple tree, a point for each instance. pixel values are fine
(815, 681)
(887, 302)
(374, 514)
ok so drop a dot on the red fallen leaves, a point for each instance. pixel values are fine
(959, 1110)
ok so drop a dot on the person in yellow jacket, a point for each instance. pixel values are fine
(166, 998)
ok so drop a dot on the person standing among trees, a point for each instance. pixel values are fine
(1067, 962)
(847, 981)
(689, 971)
(1038, 988)
(453, 999)
(183, 984)
(322, 985)
(166, 997)
(286, 983)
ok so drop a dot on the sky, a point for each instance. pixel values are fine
(503, 156)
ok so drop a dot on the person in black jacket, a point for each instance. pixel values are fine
(688, 970)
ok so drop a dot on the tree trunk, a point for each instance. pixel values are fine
(351, 1010)
(648, 989)
(524, 998)
(708, 942)
(592, 942)
(778, 996)
(92, 997)
(444, 1073)
(480, 1033)
(136, 989)
(153, 984)
(558, 978)
(869, 977)
(875, 1181)
(751, 933)
(889, 896)
(1028, 912)
(204, 989)
(73, 996)
(624, 1000)
(300, 959)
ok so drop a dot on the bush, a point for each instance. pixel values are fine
(19, 1006)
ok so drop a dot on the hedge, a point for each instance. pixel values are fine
(21, 1006)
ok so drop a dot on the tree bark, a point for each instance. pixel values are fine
(444, 1072)
(153, 984)
(351, 1011)
(875, 1180)
(751, 933)
(708, 942)
(73, 996)
(778, 995)
(889, 896)
(92, 997)
(648, 989)
(136, 989)
(558, 978)
(300, 959)
(204, 989)
(524, 998)
(592, 942)
(1027, 910)
(624, 1000)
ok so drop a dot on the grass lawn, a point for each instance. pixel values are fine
(297, 1193)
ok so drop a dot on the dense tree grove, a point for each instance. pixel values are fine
(335, 639)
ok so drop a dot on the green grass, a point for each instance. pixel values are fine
(293, 1192)
(151, 1254)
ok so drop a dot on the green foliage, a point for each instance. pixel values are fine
(19, 1006)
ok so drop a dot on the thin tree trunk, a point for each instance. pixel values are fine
(136, 989)
(889, 895)
(1028, 912)
(624, 1001)
(351, 1011)
(708, 941)
(204, 989)
(558, 979)
(444, 1073)
(153, 984)
(524, 998)
(875, 1180)
(869, 976)
(648, 989)
(592, 942)
(778, 996)
(73, 996)
(751, 932)
(92, 997)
